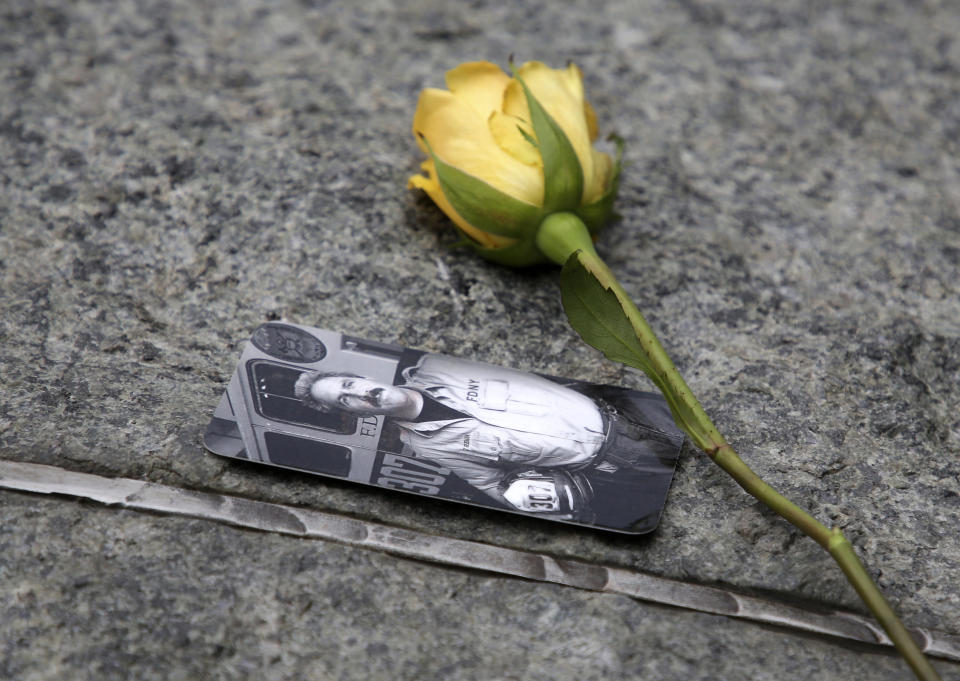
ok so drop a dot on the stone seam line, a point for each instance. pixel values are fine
(307, 523)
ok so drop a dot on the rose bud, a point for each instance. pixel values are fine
(507, 153)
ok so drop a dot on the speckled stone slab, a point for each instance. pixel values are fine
(171, 598)
(173, 174)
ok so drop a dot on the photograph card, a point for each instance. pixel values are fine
(334, 405)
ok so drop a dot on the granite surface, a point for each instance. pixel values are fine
(234, 604)
(173, 174)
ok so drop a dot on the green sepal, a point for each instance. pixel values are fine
(483, 206)
(597, 214)
(562, 173)
(530, 138)
(597, 313)
(520, 254)
(462, 242)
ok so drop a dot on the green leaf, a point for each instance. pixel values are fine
(483, 206)
(598, 312)
(562, 174)
(597, 214)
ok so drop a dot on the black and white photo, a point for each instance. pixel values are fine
(450, 428)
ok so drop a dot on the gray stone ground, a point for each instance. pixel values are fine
(172, 174)
(229, 604)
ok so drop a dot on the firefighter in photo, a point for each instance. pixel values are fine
(528, 442)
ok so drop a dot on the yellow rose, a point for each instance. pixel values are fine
(506, 153)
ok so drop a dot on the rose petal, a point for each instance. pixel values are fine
(462, 138)
(560, 93)
(506, 130)
(600, 180)
(480, 85)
